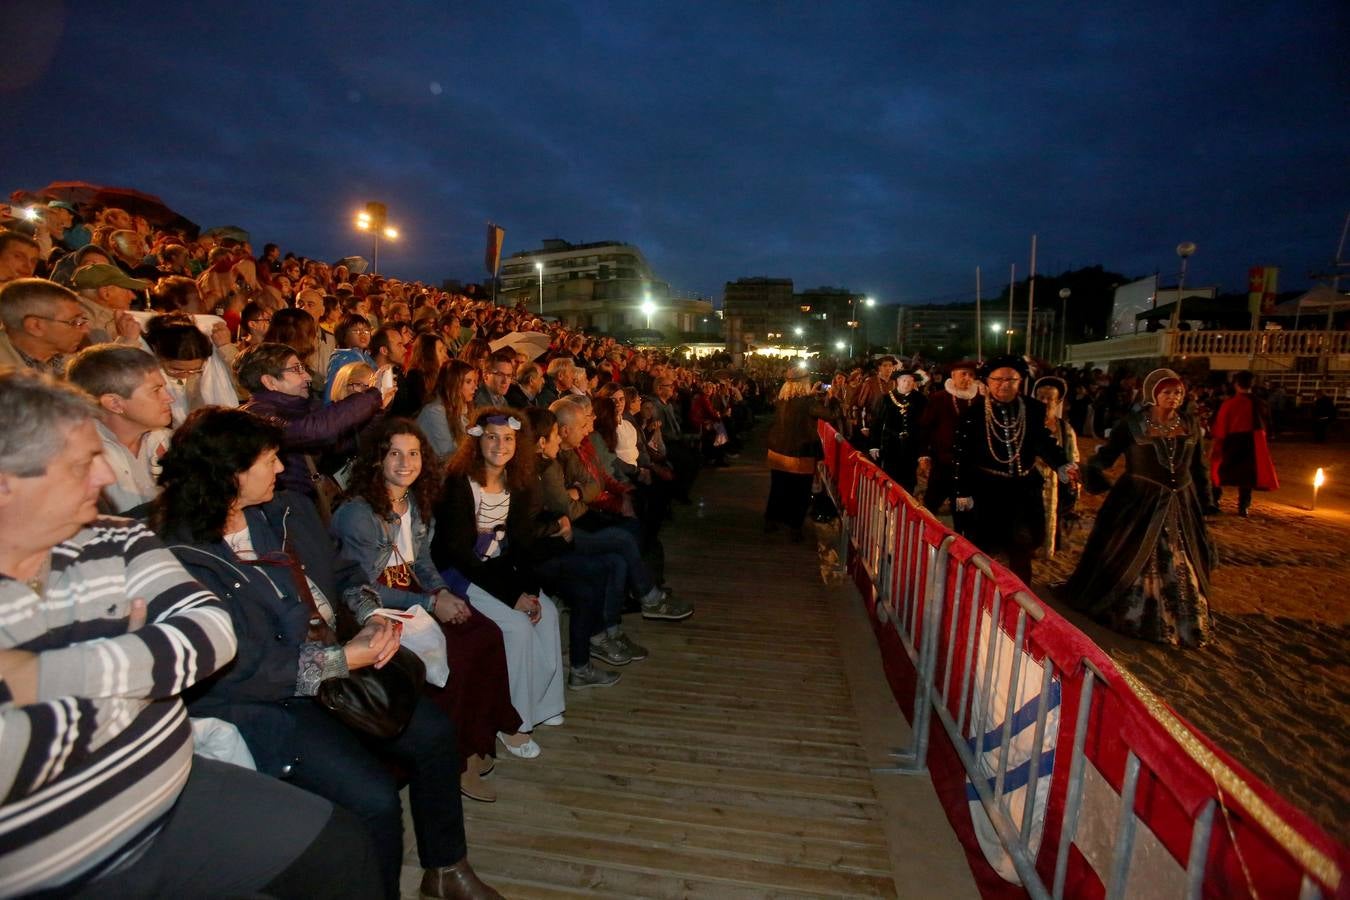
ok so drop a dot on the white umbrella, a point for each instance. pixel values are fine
(533, 344)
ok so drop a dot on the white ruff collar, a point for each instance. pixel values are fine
(967, 394)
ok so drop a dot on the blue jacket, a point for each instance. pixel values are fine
(271, 620)
(368, 540)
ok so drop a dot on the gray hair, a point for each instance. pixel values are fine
(581, 400)
(566, 412)
(24, 297)
(110, 369)
(562, 364)
(37, 411)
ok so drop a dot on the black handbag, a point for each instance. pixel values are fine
(377, 702)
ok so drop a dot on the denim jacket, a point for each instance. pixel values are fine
(369, 540)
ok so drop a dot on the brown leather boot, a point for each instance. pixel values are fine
(457, 882)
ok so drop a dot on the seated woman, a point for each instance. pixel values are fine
(353, 340)
(279, 383)
(270, 560)
(194, 374)
(483, 530)
(446, 414)
(385, 527)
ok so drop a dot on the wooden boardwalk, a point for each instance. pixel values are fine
(727, 765)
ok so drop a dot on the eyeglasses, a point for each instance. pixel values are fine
(182, 374)
(360, 331)
(77, 322)
(297, 369)
(1013, 380)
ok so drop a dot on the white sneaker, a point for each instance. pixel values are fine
(553, 720)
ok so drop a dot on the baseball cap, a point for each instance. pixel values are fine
(101, 275)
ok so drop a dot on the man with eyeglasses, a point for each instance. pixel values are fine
(44, 323)
(497, 378)
(997, 443)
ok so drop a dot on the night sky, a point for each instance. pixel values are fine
(886, 147)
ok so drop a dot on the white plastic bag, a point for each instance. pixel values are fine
(422, 635)
(220, 740)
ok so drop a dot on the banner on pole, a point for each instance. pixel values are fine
(1263, 283)
(492, 259)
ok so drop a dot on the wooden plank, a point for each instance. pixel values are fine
(716, 795)
(668, 810)
(810, 850)
(664, 865)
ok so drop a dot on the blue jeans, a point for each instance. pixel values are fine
(619, 539)
(592, 585)
(346, 768)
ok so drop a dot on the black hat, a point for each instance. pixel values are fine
(1007, 361)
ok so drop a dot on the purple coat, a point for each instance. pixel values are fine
(313, 427)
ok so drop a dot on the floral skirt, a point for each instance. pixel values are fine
(1165, 604)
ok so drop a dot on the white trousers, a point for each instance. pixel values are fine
(534, 661)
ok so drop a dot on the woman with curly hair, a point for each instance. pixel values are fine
(445, 417)
(267, 556)
(385, 527)
(485, 525)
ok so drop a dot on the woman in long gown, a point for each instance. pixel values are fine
(1145, 569)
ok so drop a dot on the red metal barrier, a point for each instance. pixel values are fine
(1058, 770)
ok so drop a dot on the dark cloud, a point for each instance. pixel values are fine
(891, 147)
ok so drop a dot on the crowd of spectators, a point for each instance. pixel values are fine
(265, 449)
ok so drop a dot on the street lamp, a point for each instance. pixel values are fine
(540, 267)
(1185, 250)
(372, 219)
(839, 345)
(648, 307)
(853, 318)
(1063, 323)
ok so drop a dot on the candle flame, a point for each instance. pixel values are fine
(1319, 479)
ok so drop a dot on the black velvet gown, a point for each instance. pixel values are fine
(1145, 569)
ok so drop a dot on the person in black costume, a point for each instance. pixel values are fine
(937, 429)
(997, 443)
(896, 431)
(1145, 569)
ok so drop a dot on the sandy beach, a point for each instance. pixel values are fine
(1273, 688)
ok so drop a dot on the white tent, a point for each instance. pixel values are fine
(1319, 299)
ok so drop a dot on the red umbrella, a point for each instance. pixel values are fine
(138, 203)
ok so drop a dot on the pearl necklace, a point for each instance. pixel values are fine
(1010, 434)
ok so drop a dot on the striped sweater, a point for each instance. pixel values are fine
(89, 771)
